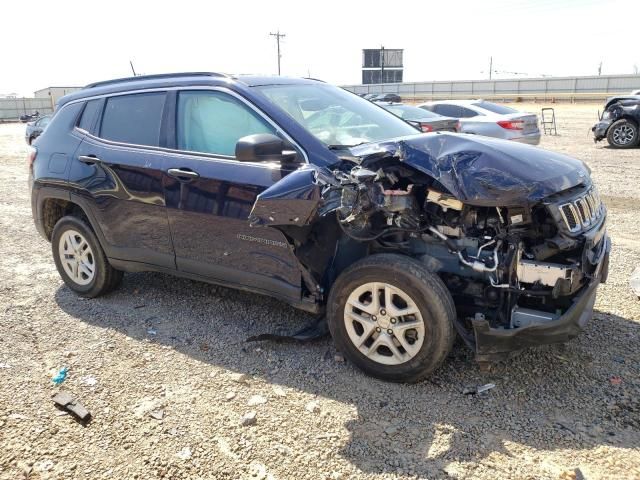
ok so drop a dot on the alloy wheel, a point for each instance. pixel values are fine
(384, 323)
(624, 134)
(77, 257)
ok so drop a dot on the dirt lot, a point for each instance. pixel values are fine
(174, 349)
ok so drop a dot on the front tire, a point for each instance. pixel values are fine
(80, 260)
(392, 317)
(623, 134)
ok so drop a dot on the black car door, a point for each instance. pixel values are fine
(209, 196)
(118, 172)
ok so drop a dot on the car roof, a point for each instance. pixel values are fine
(457, 102)
(178, 79)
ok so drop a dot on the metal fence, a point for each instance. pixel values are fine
(548, 88)
(12, 108)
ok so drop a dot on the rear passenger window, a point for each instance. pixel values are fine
(447, 110)
(467, 113)
(89, 115)
(133, 118)
(213, 122)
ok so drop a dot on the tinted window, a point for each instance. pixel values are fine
(492, 107)
(88, 115)
(213, 122)
(447, 110)
(133, 118)
(467, 112)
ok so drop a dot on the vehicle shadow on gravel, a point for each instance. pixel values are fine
(571, 397)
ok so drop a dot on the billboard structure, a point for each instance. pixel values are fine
(382, 65)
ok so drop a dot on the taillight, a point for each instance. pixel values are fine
(31, 156)
(512, 124)
(425, 127)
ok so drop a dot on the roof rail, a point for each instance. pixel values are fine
(154, 77)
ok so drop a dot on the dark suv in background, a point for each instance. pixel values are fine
(300, 190)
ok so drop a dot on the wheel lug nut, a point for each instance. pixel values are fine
(378, 329)
(383, 312)
(393, 320)
(389, 331)
(374, 318)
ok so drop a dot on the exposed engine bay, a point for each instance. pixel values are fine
(507, 266)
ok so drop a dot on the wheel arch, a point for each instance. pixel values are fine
(54, 204)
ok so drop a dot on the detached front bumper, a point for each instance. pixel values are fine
(600, 130)
(497, 343)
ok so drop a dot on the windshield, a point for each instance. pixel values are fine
(334, 116)
(411, 113)
(492, 107)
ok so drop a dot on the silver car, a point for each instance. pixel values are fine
(490, 119)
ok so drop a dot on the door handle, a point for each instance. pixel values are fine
(182, 174)
(89, 159)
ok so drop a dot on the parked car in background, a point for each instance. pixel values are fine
(386, 97)
(635, 92)
(424, 119)
(303, 191)
(370, 96)
(480, 117)
(35, 128)
(619, 122)
(29, 117)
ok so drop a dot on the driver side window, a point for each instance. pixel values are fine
(213, 122)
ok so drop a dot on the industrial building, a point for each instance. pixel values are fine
(54, 93)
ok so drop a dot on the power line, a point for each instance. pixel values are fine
(278, 35)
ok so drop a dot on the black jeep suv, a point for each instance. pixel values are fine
(303, 191)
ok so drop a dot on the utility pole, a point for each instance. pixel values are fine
(132, 69)
(278, 35)
(490, 66)
(600, 68)
(381, 64)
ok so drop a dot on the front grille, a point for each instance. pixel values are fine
(582, 212)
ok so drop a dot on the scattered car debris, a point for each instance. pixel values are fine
(634, 282)
(279, 391)
(478, 389)
(256, 400)
(314, 331)
(240, 377)
(230, 396)
(4, 365)
(615, 380)
(184, 454)
(152, 331)
(66, 402)
(313, 406)
(249, 418)
(157, 414)
(60, 376)
(89, 380)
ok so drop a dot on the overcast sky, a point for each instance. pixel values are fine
(67, 43)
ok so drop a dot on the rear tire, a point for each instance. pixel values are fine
(404, 335)
(623, 133)
(80, 260)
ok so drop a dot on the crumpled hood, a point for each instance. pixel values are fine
(480, 170)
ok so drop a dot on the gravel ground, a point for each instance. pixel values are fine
(177, 393)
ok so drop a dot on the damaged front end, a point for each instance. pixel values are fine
(516, 233)
(616, 108)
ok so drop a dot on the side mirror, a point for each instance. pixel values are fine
(263, 147)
